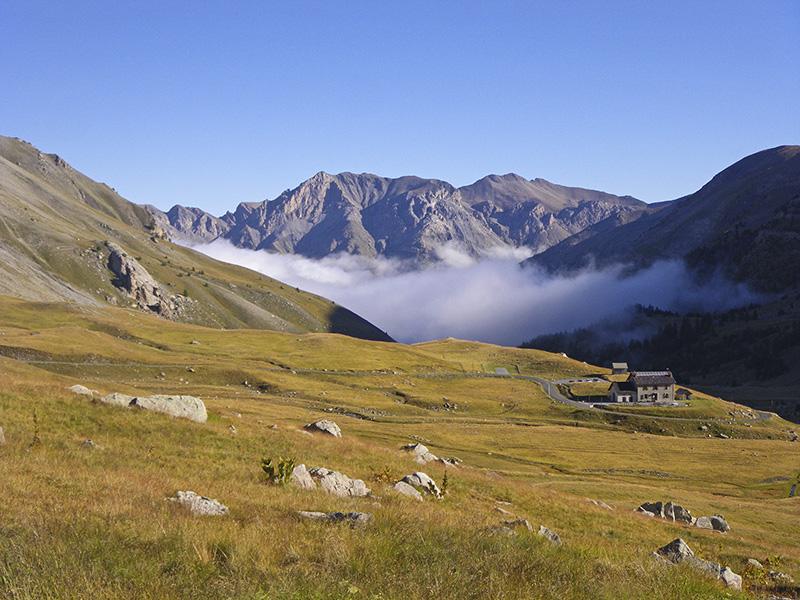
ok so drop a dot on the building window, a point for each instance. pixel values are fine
(666, 395)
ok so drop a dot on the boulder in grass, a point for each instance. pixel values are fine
(82, 390)
(423, 483)
(715, 522)
(339, 484)
(549, 535)
(183, 407)
(353, 518)
(405, 489)
(518, 524)
(420, 453)
(678, 551)
(652, 509)
(302, 478)
(675, 512)
(200, 505)
(325, 426)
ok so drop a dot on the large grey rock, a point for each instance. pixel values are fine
(133, 278)
(676, 512)
(200, 505)
(339, 484)
(354, 518)
(302, 478)
(325, 426)
(184, 407)
(407, 490)
(423, 483)
(652, 509)
(715, 522)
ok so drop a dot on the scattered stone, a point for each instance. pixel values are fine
(302, 478)
(666, 510)
(195, 342)
(652, 509)
(678, 551)
(232, 429)
(675, 512)
(190, 369)
(81, 390)
(731, 579)
(423, 483)
(503, 511)
(715, 522)
(184, 407)
(200, 505)
(421, 453)
(752, 562)
(325, 426)
(407, 490)
(779, 578)
(518, 523)
(2, 437)
(354, 518)
(338, 484)
(601, 504)
(723, 436)
(703, 427)
(88, 444)
(550, 535)
(273, 426)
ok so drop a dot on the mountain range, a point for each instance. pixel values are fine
(408, 218)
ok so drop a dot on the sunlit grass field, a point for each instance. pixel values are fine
(95, 523)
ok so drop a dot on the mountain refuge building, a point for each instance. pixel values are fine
(644, 386)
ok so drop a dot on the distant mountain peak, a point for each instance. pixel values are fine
(407, 217)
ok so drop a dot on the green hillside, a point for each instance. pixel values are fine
(94, 522)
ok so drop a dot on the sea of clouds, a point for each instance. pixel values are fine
(491, 299)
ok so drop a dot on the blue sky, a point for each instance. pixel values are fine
(215, 103)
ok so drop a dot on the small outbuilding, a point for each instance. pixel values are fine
(619, 368)
(683, 394)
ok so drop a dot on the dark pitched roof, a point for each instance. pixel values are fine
(652, 378)
(625, 386)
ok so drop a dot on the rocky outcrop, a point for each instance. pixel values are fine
(678, 551)
(325, 426)
(354, 518)
(134, 279)
(183, 407)
(200, 505)
(338, 484)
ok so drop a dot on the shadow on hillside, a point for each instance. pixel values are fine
(347, 322)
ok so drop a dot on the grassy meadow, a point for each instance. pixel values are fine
(95, 523)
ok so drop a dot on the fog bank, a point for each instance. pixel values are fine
(491, 299)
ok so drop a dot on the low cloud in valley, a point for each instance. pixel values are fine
(491, 299)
